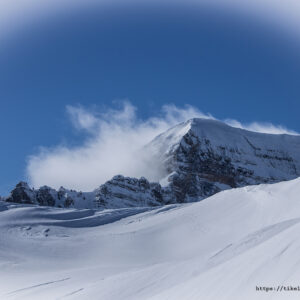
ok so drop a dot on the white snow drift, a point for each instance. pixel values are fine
(220, 248)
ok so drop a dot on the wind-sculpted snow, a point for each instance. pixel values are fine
(72, 218)
(220, 248)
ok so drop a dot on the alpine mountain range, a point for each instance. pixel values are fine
(196, 158)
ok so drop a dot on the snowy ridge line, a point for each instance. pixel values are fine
(192, 161)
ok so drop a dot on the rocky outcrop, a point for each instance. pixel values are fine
(22, 193)
(123, 191)
(44, 196)
(118, 192)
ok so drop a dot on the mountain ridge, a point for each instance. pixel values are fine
(195, 159)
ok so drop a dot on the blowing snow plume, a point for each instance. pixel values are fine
(114, 144)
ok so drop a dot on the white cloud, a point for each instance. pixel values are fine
(82, 119)
(114, 138)
(263, 127)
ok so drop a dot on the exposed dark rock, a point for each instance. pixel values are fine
(46, 196)
(22, 193)
(123, 191)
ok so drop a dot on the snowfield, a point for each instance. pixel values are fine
(223, 247)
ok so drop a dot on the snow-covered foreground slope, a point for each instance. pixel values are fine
(220, 248)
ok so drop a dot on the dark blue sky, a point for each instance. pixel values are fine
(221, 63)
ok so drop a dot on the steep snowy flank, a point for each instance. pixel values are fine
(202, 157)
(196, 159)
(221, 248)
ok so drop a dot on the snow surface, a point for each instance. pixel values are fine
(219, 248)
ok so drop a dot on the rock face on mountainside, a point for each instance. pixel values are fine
(46, 196)
(198, 158)
(202, 157)
(118, 192)
(127, 192)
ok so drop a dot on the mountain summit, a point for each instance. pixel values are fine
(203, 156)
(194, 160)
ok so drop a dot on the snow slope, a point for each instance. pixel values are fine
(219, 248)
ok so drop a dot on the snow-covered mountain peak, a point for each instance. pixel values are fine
(219, 132)
(204, 156)
(193, 160)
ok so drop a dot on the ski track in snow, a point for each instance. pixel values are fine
(37, 286)
(72, 293)
(250, 241)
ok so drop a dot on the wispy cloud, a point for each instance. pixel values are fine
(263, 127)
(112, 144)
(81, 118)
(113, 140)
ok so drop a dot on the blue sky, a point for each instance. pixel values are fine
(219, 62)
